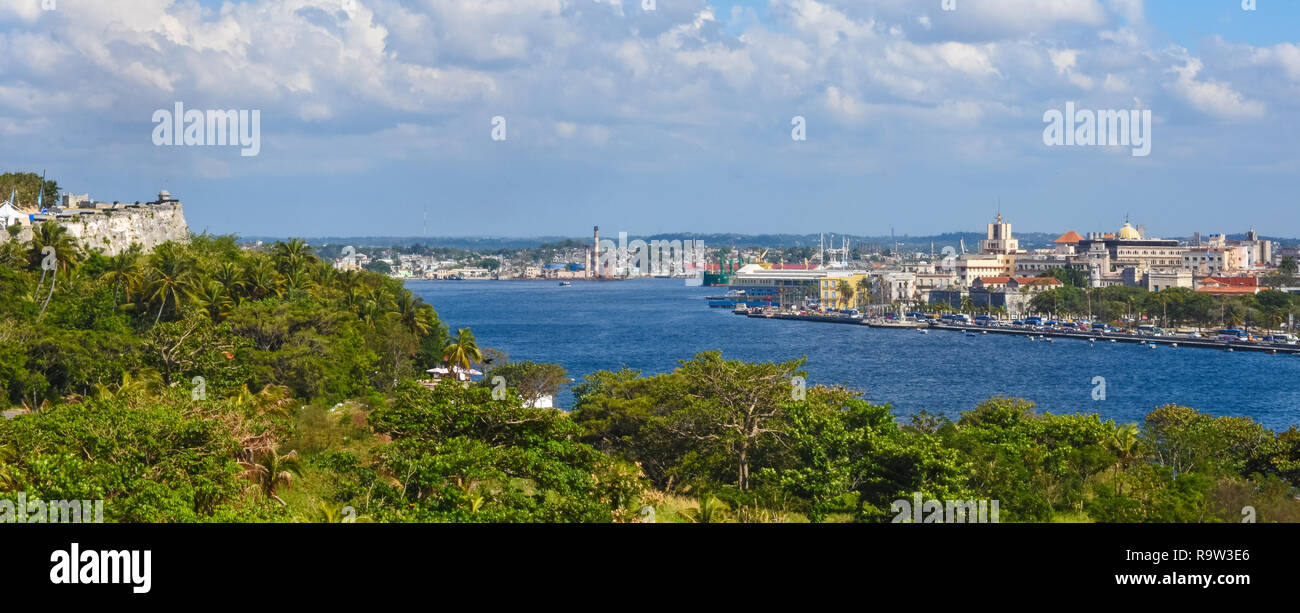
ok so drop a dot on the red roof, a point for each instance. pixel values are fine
(1038, 280)
(1231, 281)
(989, 280)
(1223, 290)
(1069, 238)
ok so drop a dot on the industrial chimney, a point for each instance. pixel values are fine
(595, 259)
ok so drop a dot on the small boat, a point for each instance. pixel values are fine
(1049, 340)
(565, 283)
(1174, 345)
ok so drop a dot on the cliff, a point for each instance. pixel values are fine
(112, 231)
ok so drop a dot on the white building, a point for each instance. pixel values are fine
(10, 215)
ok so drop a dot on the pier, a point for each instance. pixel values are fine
(1204, 343)
(1171, 341)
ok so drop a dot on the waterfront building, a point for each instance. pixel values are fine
(1067, 244)
(1014, 294)
(972, 267)
(1228, 286)
(1258, 253)
(829, 284)
(1207, 260)
(1034, 264)
(996, 257)
(790, 286)
(1123, 258)
(1155, 281)
(999, 240)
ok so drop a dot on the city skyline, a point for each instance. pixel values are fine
(375, 114)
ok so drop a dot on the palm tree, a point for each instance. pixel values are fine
(415, 316)
(710, 511)
(462, 353)
(231, 278)
(262, 279)
(879, 293)
(324, 275)
(52, 234)
(863, 287)
(272, 400)
(845, 292)
(215, 300)
(291, 256)
(272, 470)
(1124, 442)
(295, 280)
(144, 381)
(967, 305)
(171, 277)
(124, 272)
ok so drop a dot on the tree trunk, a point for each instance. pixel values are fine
(160, 310)
(743, 482)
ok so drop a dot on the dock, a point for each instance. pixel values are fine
(831, 319)
(1204, 343)
(1093, 337)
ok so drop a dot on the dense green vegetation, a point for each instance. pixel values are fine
(26, 186)
(1269, 308)
(734, 431)
(205, 382)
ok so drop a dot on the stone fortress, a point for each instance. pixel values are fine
(107, 227)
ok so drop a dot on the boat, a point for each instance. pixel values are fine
(735, 294)
(737, 297)
(565, 283)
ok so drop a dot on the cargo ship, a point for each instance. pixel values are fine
(719, 274)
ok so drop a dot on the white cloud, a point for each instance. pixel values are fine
(1213, 97)
(844, 106)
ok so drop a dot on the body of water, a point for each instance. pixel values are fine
(651, 324)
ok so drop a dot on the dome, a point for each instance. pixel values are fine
(1128, 233)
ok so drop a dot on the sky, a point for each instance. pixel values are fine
(379, 117)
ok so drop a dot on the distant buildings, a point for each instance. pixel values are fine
(1002, 274)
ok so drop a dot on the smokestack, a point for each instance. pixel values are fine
(595, 260)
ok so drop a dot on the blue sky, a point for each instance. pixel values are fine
(377, 113)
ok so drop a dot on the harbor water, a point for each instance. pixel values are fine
(651, 324)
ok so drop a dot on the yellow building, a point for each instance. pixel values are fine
(831, 297)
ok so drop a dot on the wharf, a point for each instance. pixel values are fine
(1171, 341)
(832, 319)
(1203, 343)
